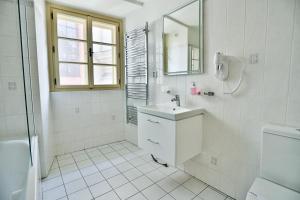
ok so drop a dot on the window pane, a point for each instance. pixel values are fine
(195, 53)
(73, 74)
(105, 75)
(72, 51)
(104, 54)
(195, 65)
(103, 32)
(71, 27)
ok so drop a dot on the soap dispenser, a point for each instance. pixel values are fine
(194, 89)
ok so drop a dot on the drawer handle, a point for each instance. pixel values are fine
(152, 141)
(155, 122)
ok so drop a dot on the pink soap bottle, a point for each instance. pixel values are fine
(194, 89)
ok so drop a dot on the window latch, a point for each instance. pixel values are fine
(90, 52)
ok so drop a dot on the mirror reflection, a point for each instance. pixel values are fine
(182, 40)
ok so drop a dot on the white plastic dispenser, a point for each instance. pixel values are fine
(221, 66)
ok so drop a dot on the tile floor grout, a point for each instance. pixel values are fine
(62, 180)
(154, 182)
(124, 176)
(106, 179)
(129, 181)
(115, 166)
(110, 177)
(134, 185)
(82, 177)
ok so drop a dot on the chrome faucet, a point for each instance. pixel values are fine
(177, 99)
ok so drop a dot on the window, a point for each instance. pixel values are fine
(85, 50)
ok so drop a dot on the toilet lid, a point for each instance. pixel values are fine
(263, 189)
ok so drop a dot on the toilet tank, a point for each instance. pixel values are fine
(280, 155)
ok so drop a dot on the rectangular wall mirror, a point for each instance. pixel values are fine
(183, 40)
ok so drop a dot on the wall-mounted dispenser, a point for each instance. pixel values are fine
(194, 89)
(221, 66)
(222, 70)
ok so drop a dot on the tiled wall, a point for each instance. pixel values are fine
(12, 101)
(12, 106)
(269, 92)
(73, 121)
(86, 119)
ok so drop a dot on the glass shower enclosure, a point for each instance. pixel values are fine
(17, 104)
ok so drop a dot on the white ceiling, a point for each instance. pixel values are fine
(118, 8)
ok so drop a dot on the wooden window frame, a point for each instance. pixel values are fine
(52, 10)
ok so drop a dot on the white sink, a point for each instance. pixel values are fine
(171, 112)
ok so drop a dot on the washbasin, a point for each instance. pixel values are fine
(171, 112)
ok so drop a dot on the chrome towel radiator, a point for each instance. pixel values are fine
(136, 58)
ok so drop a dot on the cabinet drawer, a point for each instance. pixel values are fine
(157, 136)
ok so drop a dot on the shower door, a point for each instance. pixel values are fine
(17, 108)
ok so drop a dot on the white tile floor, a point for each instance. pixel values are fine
(120, 171)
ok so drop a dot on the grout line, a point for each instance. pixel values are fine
(105, 179)
(108, 160)
(202, 190)
(62, 178)
(134, 167)
(122, 173)
(184, 187)
(45, 179)
(262, 88)
(129, 181)
(218, 191)
(101, 175)
(54, 187)
(82, 178)
(290, 63)
(136, 177)
(154, 182)
(244, 65)
(92, 147)
(192, 191)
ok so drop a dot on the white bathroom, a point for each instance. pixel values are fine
(149, 100)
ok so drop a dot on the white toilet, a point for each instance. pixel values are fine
(279, 166)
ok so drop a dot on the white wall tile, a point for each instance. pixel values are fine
(12, 109)
(8, 9)
(293, 106)
(269, 91)
(11, 44)
(87, 119)
(278, 56)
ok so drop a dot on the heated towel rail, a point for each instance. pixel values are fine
(136, 58)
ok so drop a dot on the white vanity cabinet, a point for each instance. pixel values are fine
(172, 141)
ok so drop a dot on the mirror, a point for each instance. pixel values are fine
(183, 40)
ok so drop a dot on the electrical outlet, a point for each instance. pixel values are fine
(113, 117)
(213, 160)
